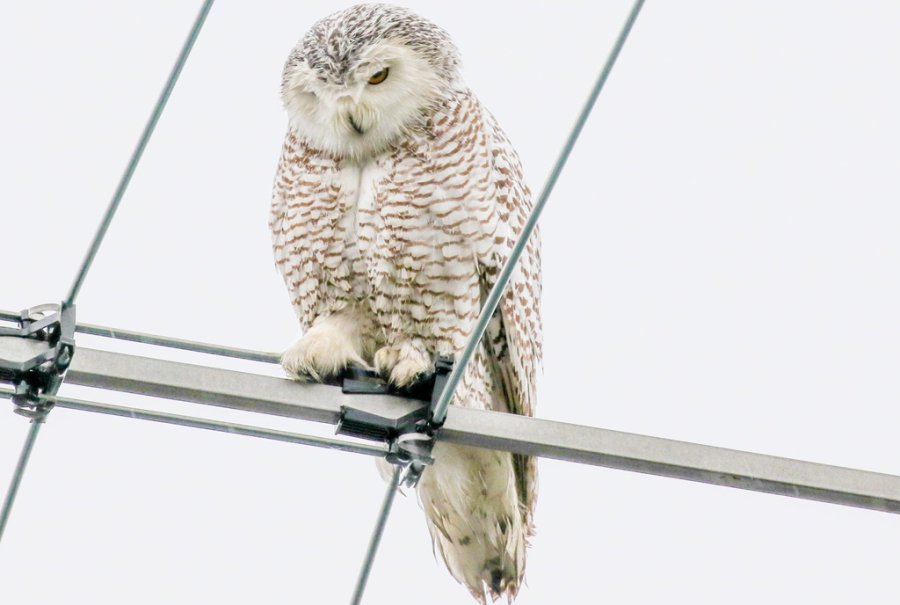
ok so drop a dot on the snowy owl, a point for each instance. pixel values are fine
(397, 199)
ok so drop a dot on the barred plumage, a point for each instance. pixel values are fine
(395, 205)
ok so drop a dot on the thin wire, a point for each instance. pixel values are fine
(178, 343)
(138, 152)
(17, 475)
(439, 413)
(212, 425)
(376, 536)
(165, 341)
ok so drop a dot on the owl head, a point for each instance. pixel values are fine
(364, 77)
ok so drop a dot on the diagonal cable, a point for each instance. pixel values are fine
(101, 232)
(17, 475)
(439, 413)
(138, 152)
(376, 536)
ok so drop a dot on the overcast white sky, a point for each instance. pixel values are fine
(720, 266)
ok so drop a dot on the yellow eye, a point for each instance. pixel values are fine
(379, 77)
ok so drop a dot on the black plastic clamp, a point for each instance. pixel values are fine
(406, 430)
(35, 356)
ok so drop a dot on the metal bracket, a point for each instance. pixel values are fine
(41, 349)
(408, 432)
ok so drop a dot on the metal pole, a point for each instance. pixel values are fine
(487, 311)
(223, 388)
(138, 152)
(376, 536)
(17, 475)
(492, 430)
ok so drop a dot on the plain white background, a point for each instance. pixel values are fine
(720, 266)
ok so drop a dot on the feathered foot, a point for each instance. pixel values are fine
(326, 349)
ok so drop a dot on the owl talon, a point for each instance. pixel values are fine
(405, 364)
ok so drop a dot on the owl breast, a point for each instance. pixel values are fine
(419, 272)
(407, 235)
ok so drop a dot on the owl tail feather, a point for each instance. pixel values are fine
(472, 511)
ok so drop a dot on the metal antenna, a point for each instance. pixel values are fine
(468, 427)
(487, 311)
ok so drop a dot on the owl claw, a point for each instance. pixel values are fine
(407, 373)
(404, 364)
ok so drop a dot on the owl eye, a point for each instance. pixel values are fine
(379, 76)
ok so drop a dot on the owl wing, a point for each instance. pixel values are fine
(514, 334)
(304, 221)
(513, 337)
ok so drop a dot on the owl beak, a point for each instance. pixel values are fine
(353, 124)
